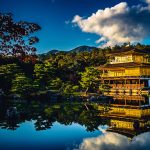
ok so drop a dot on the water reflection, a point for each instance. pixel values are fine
(115, 141)
(78, 125)
(129, 126)
(131, 100)
(45, 115)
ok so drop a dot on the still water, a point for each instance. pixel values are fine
(72, 126)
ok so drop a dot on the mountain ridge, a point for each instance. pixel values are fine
(83, 48)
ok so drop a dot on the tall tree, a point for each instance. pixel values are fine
(44, 73)
(15, 37)
(104, 88)
(90, 79)
(7, 74)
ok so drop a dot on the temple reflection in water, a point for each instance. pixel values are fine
(126, 122)
(131, 100)
(129, 115)
(128, 125)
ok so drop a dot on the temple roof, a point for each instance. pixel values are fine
(127, 133)
(129, 51)
(123, 65)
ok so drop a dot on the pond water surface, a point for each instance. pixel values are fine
(68, 126)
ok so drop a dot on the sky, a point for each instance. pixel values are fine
(67, 24)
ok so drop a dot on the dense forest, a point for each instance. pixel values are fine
(24, 72)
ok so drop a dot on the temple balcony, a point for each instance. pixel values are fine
(112, 75)
(120, 61)
(131, 74)
(127, 86)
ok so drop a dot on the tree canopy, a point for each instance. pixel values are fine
(16, 39)
(90, 79)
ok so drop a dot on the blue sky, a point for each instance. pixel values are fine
(55, 16)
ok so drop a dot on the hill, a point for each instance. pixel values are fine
(79, 49)
(83, 49)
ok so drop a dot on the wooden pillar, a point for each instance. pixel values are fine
(125, 87)
(139, 89)
(139, 102)
(103, 71)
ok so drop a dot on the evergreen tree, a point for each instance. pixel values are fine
(23, 85)
(7, 74)
(90, 79)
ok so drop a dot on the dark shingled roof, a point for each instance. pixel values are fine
(128, 133)
(123, 65)
(128, 51)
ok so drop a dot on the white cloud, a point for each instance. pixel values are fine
(102, 39)
(147, 1)
(114, 141)
(118, 24)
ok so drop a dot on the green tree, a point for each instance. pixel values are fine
(7, 74)
(104, 88)
(56, 83)
(44, 73)
(68, 88)
(23, 85)
(39, 71)
(90, 79)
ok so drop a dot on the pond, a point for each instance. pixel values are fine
(72, 126)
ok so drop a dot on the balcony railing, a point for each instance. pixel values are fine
(117, 62)
(119, 75)
(127, 86)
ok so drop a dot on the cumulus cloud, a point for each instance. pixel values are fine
(118, 24)
(114, 141)
(147, 1)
